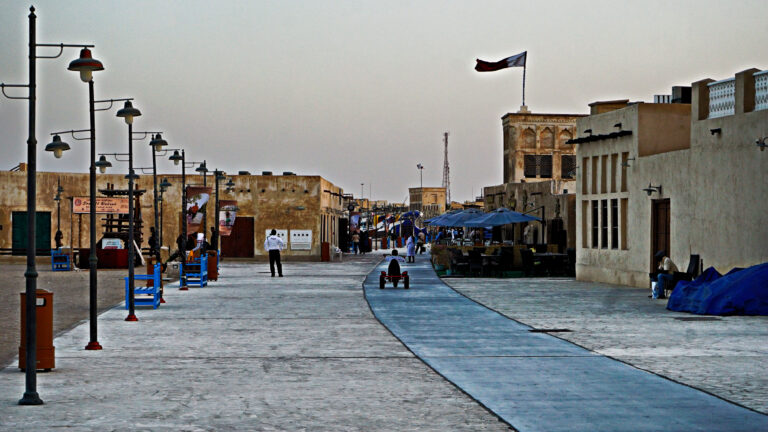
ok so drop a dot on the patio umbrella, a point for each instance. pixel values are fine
(458, 219)
(440, 217)
(500, 216)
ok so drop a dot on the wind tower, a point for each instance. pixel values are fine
(446, 174)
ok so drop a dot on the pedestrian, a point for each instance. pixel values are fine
(664, 280)
(410, 246)
(154, 250)
(274, 245)
(356, 241)
(420, 242)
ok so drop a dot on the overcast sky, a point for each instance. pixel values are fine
(356, 91)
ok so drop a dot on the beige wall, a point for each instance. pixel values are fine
(281, 202)
(714, 184)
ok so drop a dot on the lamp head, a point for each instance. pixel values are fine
(86, 64)
(128, 112)
(230, 184)
(57, 146)
(202, 169)
(102, 164)
(57, 198)
(158, 142)
(165, 183)
(175, 157)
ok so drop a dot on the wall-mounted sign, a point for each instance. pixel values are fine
(82, 205)
(283, 234)
(227, 216)
(301, 239)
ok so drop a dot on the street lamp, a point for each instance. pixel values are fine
(203, 169)
(128, 113)
(420, 167)
(218, 175)
(164, 185)
(57, 146)
(177, 157)
(31, 397)
(157, 143)
(57, 198)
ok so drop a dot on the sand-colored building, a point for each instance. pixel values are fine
(430, 201)
(676, 176)
(308, 210)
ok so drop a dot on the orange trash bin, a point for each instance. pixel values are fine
(44, 312)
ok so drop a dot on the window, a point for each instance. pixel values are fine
(624, 160)
(614, 160)
(567, 166)
(595, 224)
(614, 224)
(584, 226)
(623, 225)
(604, 224)
(594, 174)
(537, 166)
(603, 173)
(584, 175)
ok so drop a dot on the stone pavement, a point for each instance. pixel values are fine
(536, 381)
(725, 356)
(248, 352)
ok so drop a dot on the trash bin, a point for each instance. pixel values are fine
(325, 251)
(44, 312)
(213, 265)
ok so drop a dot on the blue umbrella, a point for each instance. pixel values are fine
(500, 216)
(458, 219)
(440, 217)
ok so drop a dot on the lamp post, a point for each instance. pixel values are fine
(203, 169)
(57, 198)
(177, 158)
(128, 112)
(218, 175)
(420, 167)
(157, 143)
(31, 397)
(57, 146)
(164, 185)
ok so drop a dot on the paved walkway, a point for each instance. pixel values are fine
(535, 381)
(248, 352)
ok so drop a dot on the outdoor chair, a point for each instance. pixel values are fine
(531, 266)
(692, 272)
(459, 263)
(476, 261)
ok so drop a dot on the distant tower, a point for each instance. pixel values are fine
(446, 174)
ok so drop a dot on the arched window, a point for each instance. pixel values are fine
(529, 138)
(547, 139)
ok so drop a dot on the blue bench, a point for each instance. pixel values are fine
(59, 261)
(196, 272)
(153, 291)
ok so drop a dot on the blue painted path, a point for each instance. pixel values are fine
(534, 381)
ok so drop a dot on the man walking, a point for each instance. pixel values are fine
(274, 244)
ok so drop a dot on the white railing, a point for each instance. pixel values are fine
(722, 98)
(761, 90)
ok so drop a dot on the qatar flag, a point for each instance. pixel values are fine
(514, 61)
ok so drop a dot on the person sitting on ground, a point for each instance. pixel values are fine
(664, 280)
(394, 267)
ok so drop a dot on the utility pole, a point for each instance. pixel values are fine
(446, 173)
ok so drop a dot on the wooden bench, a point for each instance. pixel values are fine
(150, 296)
(196, 272)
(59, 261)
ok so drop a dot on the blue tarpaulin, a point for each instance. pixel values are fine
(739, 292)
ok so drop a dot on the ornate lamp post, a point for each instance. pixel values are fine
(177, 157)
(31, 397)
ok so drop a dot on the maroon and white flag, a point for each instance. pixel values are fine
(514, 61)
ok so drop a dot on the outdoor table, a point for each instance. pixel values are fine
(553, 263)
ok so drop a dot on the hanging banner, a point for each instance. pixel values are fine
(197, 198)
(354, 220)
(227, 215)
(81, 205)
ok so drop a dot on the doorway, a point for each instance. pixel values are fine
(239, 244)
(660, 233)
(42, 233)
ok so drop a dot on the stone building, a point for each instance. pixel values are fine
(686, 178)
(430, 201)
(310, 209)
(539, 173)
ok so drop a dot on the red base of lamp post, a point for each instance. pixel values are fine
(93, 345)
(162, 300)
(184, 288)
(131, 317)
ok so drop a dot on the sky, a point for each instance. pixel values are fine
(355, 91)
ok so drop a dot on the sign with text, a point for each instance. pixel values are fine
(82, 205)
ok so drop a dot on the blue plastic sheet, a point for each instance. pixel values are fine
(739, 292)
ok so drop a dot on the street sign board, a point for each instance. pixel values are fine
(112, 205)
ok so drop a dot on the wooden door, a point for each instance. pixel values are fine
(660, 215)
(42, 233)
(240, 242)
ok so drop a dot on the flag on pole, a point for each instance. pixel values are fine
(517, 60)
